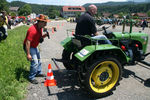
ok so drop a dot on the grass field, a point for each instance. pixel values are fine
(14, 68)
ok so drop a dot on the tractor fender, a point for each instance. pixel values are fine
(66, 43)
(87, 51)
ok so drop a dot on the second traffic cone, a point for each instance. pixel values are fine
(58, 26)
(52, 29)
(50, 81)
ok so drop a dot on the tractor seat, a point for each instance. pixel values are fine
(81, 40)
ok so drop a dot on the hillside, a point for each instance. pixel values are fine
(112, 4)
(112, 7)
(37, 8)
(126, 7)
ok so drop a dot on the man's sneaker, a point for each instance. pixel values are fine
(40, 75)
(34, 81)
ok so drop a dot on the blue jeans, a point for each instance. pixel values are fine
(35, 64)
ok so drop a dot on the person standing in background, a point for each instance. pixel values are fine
(3, 25)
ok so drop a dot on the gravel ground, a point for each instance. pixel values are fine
(132, 86)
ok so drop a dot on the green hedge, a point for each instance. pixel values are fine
(14, 67)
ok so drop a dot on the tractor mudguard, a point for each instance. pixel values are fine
(84, 53)
(66, 42)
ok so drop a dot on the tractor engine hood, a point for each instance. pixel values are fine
(135, 36)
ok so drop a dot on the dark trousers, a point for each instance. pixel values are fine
(3, 34)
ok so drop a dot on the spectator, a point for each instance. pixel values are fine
(9, 20)
(3, 25)
(33, 37)
(144, 24)
(16, 20)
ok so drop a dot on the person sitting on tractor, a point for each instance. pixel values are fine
(86, 25)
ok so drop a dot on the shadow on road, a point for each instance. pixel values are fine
(147, 82)
(127, 73)
(67, 82)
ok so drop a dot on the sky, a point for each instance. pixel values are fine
(66, 2)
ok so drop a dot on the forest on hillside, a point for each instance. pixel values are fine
(53, 10)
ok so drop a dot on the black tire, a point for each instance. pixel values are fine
(67, 59)
(102, 77)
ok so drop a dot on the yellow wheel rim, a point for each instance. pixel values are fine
(104, 76)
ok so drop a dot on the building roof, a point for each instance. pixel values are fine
(116, 15)
(106, 14)
(73, 8)
(14, 8)
(141, 14)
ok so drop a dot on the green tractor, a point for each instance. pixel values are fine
(100, 65)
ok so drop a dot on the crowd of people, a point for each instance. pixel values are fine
(116, 21)
(7, 22)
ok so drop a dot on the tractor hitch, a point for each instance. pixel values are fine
(144, 62)
(146, 54)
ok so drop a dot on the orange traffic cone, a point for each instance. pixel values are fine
(58, 26)
(72, 32)
(52, 29)
(50, 81)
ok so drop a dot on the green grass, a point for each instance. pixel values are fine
(14, 67)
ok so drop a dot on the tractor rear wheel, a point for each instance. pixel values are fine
(103, 76)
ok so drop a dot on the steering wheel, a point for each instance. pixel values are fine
(103, 28)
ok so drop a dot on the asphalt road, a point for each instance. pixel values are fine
(133, 86)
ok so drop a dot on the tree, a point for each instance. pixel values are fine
(111, 16)
(121, 15)
(53, 12)
(12, 14)
(148, 13)
(25, 10)
(77, 14)
(3, 5)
